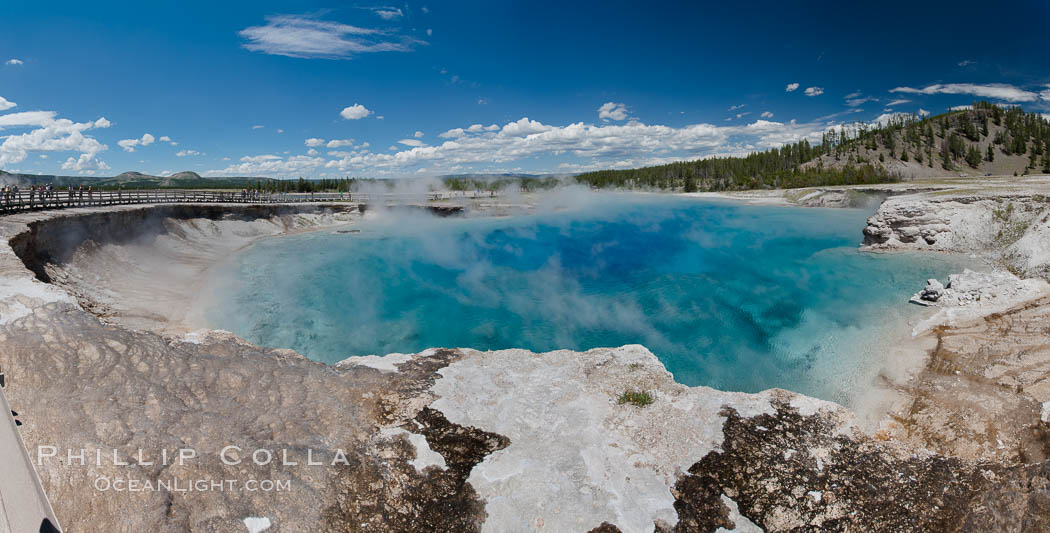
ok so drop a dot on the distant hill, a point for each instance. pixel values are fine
(136, 180)
(983, 139)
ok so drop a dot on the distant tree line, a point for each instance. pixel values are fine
(778, 168)
(305, 185)
(524, 183)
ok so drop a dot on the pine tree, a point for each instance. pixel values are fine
(973, 157)
(990, 155)
(690, 184)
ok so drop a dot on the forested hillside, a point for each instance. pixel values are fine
(983, 139)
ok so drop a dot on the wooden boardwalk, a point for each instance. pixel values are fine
(26, 200)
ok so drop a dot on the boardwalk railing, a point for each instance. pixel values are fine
(23, 504)
(11, 202)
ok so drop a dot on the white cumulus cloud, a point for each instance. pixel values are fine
(607, 146)
(50, 135)
(14, 61)
(6, 104)
(612, 111)
(313, 141)
(129, 144)
(85, 162)
(339, 143)
(26, 118)
(355, 112)
(791, 87)
(766, 114)
(271, 165)
(814, 91)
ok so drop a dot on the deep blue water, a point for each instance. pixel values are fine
(731, 296)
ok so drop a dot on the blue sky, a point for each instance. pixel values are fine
(288, 89)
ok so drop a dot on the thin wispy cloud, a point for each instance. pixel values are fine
(856, 100)
(388, 13)
(898, 102)
(999, 91)
(791, 87)
(14, 62)
(305, 36)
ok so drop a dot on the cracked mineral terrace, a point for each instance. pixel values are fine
(98, 355)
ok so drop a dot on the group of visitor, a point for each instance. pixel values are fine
(13, 197)
(251, 195)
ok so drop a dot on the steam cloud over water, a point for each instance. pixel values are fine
(734, 297)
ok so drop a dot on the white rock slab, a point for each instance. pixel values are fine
(577, 458)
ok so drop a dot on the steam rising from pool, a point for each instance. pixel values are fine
(730, 296)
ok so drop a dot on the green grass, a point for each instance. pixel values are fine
(640, 398)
